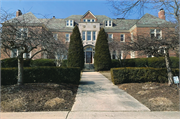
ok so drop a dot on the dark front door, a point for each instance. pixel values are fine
(88, 57)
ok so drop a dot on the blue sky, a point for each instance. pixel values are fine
(64, 8)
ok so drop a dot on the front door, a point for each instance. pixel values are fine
(88, 57)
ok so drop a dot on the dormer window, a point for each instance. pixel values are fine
(108, 23)
(70, 23)
(88, 20)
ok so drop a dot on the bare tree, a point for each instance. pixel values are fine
(120, 53)
(156, 47)
(152, 46)
(23, 35)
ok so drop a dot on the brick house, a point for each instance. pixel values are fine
(119, 30)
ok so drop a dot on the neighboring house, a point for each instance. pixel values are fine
(119, 30)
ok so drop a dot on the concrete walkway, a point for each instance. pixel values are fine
(97, 93)
(98, 98)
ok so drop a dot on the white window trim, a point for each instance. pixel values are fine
(123, 37)
(122, 54)
(87, 36)
(69, 23)
(133, 54)
(91, 20)
(93, 36)
(155, 33)
(56, 36)
(12, 53)
(24, 55)
(108, 23)
(132, 37)
(68, 37)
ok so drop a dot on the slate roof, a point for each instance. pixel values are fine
(118, 24)
(149, 19)
(25, 18)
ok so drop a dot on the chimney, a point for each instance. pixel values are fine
(18, 13)
(161, 14)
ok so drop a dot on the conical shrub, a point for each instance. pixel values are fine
(102, 59)
(76, 51)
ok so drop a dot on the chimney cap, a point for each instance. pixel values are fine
(54, 17)
(120, 18)
(161, 9)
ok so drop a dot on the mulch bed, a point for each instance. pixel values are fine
(38, 97)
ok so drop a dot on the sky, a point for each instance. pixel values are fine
(64, 8)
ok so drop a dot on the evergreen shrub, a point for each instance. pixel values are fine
(13, 62)
(156, 62)
(64, 63)
(115, 63)
(41, 75)
(42, 62)
(102, 59)
(76, 50)
(140, 74)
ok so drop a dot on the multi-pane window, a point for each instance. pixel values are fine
(88, 35)
(14, 53)
(83, 35)
(132, 54)
(67, 22)
(70, 23)
(122, 38)
(55, 36)
(88, 20)
(94, 35)
(108, 23)
(67, 37)
(26, 55)
(155, 33)
(110, 37)
(22, 33)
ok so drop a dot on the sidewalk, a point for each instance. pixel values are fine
(98, 98)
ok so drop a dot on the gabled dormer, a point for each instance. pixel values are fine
(88, 17)
(108, 23)
(69, 23)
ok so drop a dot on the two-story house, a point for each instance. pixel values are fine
(119, 30)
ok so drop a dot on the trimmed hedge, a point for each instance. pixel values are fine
(42, 62)
(41, 75)
(138, 75)
(115, 63)
(13, 62)
(64, 63)
(156, 62)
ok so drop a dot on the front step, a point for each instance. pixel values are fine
(89, 67)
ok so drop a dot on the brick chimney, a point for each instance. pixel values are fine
(161, 14)
(18, 13)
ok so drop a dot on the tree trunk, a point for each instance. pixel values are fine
(168, 66)
(20, 71)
